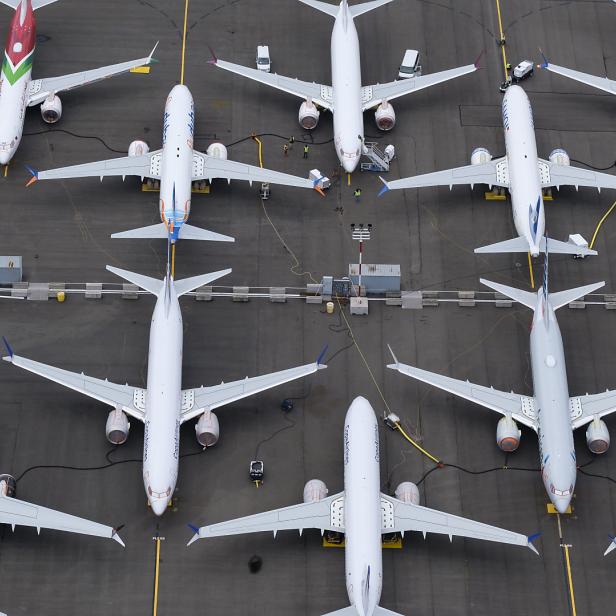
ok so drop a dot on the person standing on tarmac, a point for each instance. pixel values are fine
(306, 150)
(285, 149)
(357, 194)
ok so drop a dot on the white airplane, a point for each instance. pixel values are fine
(164, 406)
(601, 83)
(363, 514)
(346, 98)
(550, 412)
(19, 91)
(176, 165)
(523, 173)
(20, 513)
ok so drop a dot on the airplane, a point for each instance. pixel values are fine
(20, 513)
(176, 165)
(18, 90)
(550, 412)
(164, 405)
(601, 83)
(523, 173)
(363, 513)
(346, 98)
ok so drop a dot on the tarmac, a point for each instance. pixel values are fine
(62, 231)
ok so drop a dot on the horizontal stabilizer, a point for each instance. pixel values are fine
(187, 285)
(152, 285)
(345, 611)
(381, 611)
(562, 298)
(37, 4)
(360, 9)
(566, 248)
(12, 3)
(516, 244)
(525, 298)
(324, 7)
(160, 231)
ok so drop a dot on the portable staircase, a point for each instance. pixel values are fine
(378, 159)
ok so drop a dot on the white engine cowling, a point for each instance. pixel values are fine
(207, 429)
(8, 486)
(308, 115)
(385, 116)
(217, 150)
(138, 148)
(117, 427)
(51, 109)
(479, 156)
(597, 436)
(508, 435)
(559, 157)
(407, 492)
(314, 491)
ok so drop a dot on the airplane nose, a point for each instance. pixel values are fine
(159, 506)
(350, 164)
(5, 158)
(562, 504)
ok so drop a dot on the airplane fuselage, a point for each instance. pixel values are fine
(161, 446)
(362, 508)
(177, 159)
(346, 85)
(554, 431)
(523, 167)
(15, 79)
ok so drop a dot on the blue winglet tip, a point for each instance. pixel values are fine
(612, 538)
(531, 538)
(322, 355)
(545, 62)
(195, 529)
(383, 190)
(32, 171)
(9, 349)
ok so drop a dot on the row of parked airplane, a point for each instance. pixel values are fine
(361, 511)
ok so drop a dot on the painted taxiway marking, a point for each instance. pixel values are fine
(184, 42)
(502, 38)
(156, 574)
(566, 547)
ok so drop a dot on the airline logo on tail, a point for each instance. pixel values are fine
(19, 49)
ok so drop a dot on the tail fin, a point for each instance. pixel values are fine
(562, 298)
(516, 244)
(185, 232)
(567, 248)
(523, 297)
(152, 285)
(324, 7)
(37, 4)
(11, 3)
(381, 611)
(351, 611)
(360, 9)
(190, 284)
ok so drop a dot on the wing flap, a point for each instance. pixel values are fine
(585, 408)
(556, 175)
(117, 396)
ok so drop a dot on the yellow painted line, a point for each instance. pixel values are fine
(6, 170)
(502, 38)
(141, 69)
(570, 581)
(530, 271)
(156, 574)
(173, 260)
(348, 179)
(184, 42)
(594, 235)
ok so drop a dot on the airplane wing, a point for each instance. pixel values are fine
(601, 83)
(146, 166)
(320, 95)
(197, 401)
(521, 408)
(208, 167)
(40, 89)
(117, 396)
(401, 517)
(585, 408)
(20, 513)
(374, 95)
(326, 514)
(492, 173)
(552, 174)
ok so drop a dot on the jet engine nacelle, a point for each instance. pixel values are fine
(308, 115)
(138, 148)
(407, 492)
(207, 429)
(385, 116)
(597, 436)
(8, 485)
(117, 427)
(508, 435)
(51, 109)
(559, 157)
(314, 491)
(217, 150)
(479, 156)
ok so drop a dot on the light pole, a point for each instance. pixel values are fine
(361, 233)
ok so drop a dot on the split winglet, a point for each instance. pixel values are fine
(393, 354)
(477, 62)
(9, 349)
(612, 545)
(531, 538)
(151, 57)
(213, 59)
(545, 62)
(195, 537)
(385, 187)
(116, 537)
(34, 174)
(322, 355)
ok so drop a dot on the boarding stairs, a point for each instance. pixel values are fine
(378, 159)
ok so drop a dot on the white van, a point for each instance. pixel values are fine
(410, 66)
(263, 58)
